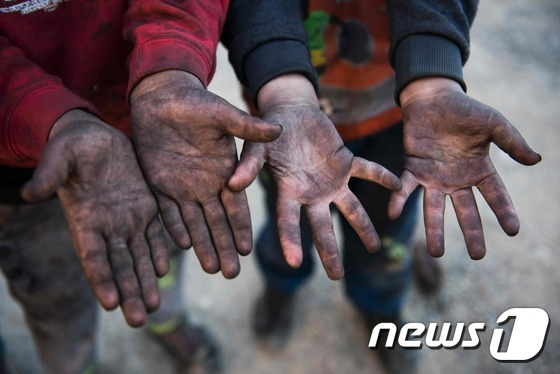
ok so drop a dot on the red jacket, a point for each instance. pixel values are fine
(58, 55)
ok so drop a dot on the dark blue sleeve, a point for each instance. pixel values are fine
(266, 39)
(430, 38)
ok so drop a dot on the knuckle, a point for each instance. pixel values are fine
(102, 282)
(324, 232)
(92, 256)
(98, 277)
(124, 272)
(364, 227)
(354, 207)
(144, 264)
(119, 260)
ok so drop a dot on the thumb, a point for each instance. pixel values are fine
(506, 136)
(238, 123)
(399, 198)
(373, 172)
(249, 166)
(51, 173)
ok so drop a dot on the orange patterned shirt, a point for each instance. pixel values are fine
(349, 42)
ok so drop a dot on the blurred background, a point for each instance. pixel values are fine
(514, 67)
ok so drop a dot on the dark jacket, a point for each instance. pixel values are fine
(266, 39)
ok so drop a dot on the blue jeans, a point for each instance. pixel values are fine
(376, 283)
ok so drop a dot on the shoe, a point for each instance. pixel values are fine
(192, 347)
(428, 271)
(272, 319)
(396, 360)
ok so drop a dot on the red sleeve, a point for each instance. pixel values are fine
(30, 103)
(174, 35)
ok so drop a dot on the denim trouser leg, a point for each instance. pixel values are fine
(377, 283)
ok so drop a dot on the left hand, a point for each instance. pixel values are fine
(183, 135)
(110, 211)
(311, 167)
(447, 138)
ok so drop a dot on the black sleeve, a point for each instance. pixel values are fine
(429, 38)
(266, 39)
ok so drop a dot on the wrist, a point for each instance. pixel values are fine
(69, 119)
(77, 119)
(427, 87)
(158, 80)
(287, 89)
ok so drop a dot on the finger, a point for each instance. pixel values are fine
(92, 253)
(202, 243)
(145, 272)
(171, 216)
(288, 216)
(506, 136)
(125, 277)
(222, 237)
(376, 173)
(51, 173)
(239, 217)
(398, 198)
(158, 247)
(320, 222)
(238, 123)
(434, 209)
(249, 166)
(469, 221)
(351, 208)
(497, 197)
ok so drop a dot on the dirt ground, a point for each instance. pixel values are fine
(513, 67)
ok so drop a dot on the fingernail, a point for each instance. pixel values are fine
(540, 157)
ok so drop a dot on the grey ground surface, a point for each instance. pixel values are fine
(513, 67)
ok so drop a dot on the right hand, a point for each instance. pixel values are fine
(184, 138)
(447, 137)
(109, 209)
(311, 168)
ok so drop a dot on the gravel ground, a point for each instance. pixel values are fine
(514, 67)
